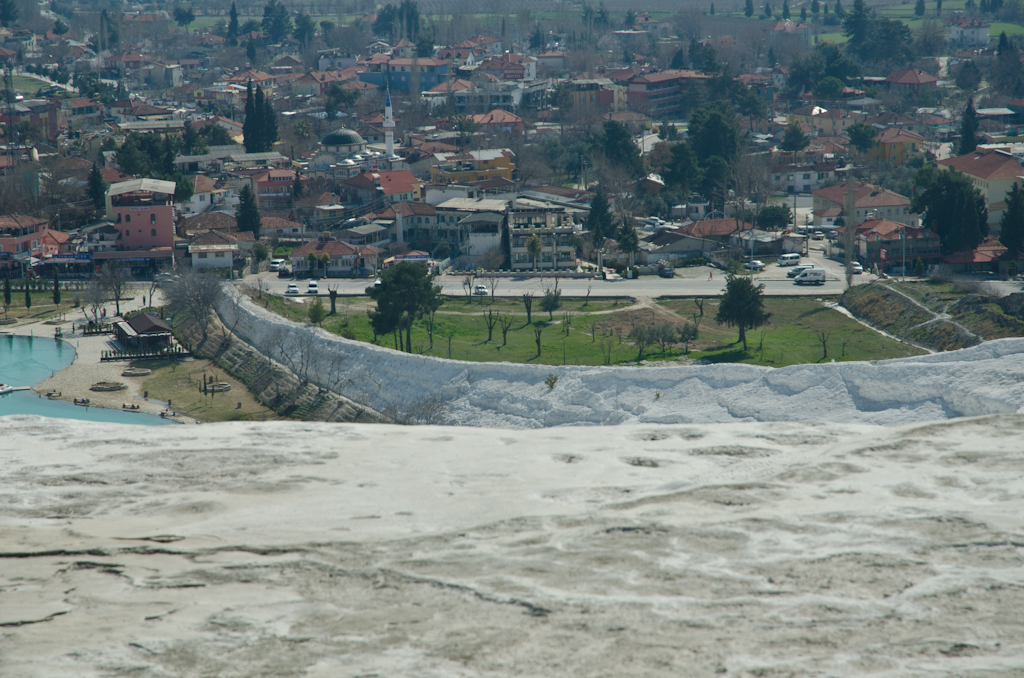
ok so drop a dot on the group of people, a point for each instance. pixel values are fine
(130, 407)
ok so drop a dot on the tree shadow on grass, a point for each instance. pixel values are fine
(733, 356)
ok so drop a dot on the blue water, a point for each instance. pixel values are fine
(26, 361)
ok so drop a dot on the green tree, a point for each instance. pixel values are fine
(28, 297)
(767, 10)
(406, 292)
(857, 25)
(316, 311)
(774, 217)
(862, 136)
(953, 208)
(968, 129)
(711, 10)
(678, 59)
(183, 187)
(248, 213)
(629, 19)
(183, 16)
(97, 188)
(277, 21)
(9, 12)
(815, 8)
(297, 187)
(233, 26)
(785, 9)
(270, 133)
(1011, 225)
(714, 131)
(56, 285)
(425, 46)
(250, 52)
(338, 99)
(803, 14)
(829, 88)
(60, 27)
(968, 76)
(260, 112)
(919, 268)
(551, 301)
(742, 306)
(629, 241)
(919, 8)
(599, 220)
(7, 295)
(617, 144)
(748, 8)
(305, 30)
(794, 139)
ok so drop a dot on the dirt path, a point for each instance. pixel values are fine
(936, 317)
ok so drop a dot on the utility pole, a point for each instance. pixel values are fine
(12, 133)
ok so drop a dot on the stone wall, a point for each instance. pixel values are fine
(985, 379)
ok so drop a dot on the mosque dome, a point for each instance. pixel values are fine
(342, 137)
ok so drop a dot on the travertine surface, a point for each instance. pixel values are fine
(293, 549)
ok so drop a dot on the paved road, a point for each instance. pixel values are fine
(691, 282)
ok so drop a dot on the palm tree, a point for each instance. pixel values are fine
(533, 247)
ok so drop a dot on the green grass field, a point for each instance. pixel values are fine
(790, 338)
(28, 85)
(179, 382)
(599, 332)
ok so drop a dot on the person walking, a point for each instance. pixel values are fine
(711, 275)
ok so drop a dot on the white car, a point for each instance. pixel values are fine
(276, 264)
(480, 291)
(754, 265)
(292, 289)
(857, 268)
(313, 287)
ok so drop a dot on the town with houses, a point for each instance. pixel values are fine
(389, 143)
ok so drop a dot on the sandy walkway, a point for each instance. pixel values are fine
(74, 381)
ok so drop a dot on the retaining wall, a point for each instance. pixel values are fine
(984, 379)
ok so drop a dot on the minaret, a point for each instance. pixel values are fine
(389, 127)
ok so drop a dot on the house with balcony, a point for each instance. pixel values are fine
(881, 242)
(21, 238)
(500, 121)
(143, 211)
(471, 226)
(554, 227)
(821, 121)
(595, 96)
(275, 188)
(802, 178)
(656, 95)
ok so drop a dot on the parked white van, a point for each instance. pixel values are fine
(276, 264)
(811, 275)
(789, 259)
(797, 270)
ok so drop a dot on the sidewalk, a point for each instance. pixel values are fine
(74, 381)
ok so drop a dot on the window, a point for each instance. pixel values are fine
(219, 255)
(152, 232)
(202, 255)
(128, 218)
(152, 219)
(202, 198)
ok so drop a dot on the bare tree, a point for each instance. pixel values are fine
(195, 295)
(823, 338)
(492, 282)
(115, 278)
(505, 322)
(332, 290)
(491, 318)
(528, 303)
(606, 350)
(567, 319)
(536, 337)
(586, 300)
(94, 298)
(467, 284)
(752, 179)
(699, 301)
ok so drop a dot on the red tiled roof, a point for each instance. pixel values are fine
(986, 165)
(497, 117)
(866, 195)
(896, 135)
(910, 77)
(713, 227)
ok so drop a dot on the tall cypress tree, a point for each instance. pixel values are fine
(233, 26)
(968, 129)
(599, 221)
(7, 294)
(97, 188)
(250, 128)
(248, 212)
(56, 285)
(260, 113)
(1011, 226)
(748, 8)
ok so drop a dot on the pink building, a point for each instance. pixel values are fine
(143, 211)
(21, 237)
